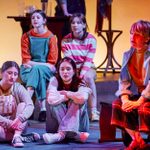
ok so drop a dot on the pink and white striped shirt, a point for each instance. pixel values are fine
(81, 51)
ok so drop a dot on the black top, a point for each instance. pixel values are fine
(73, 6)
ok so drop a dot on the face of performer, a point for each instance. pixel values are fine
(137, 40)
(66, 72)
(37, 20)
(10, 76)
(77, 26)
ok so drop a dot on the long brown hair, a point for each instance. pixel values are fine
(75, 80)
(8, 64)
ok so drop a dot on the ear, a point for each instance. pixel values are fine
(2, 74)
(147, 41)
(45, 21)
(74, 72)
(84, 25)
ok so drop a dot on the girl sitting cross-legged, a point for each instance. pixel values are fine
(16, 107)
(67, 96)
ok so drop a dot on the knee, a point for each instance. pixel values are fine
(117, 102)
(90, 76)
(89, 79)
(144, 108)
(30, 88)
(36, 68)
(2, 133)
(20, 107)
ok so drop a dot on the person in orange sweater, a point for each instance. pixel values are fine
(39, 56)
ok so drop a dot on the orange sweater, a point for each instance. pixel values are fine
(25, 47)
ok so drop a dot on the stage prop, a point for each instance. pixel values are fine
(109, 36)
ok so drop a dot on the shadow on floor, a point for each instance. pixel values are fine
(91, 144)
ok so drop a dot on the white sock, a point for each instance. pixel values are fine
(43, 109)
(43, 105)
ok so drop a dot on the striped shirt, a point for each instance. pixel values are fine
(81, 51)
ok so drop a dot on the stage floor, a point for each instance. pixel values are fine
(91, 144)
(108, 77)
(106, 87)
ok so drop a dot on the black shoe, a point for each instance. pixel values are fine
(42, 116)
(32, 117)
(30, 137)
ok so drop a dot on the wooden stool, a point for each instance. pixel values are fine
(107, 131)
